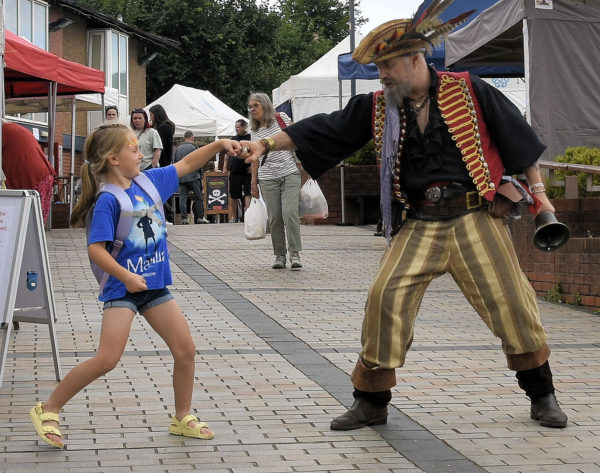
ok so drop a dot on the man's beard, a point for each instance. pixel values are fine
(394, 95)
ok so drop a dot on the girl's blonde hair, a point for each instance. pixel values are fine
(99, 145)
(269, 111)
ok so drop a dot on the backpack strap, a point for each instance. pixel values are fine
(149, 188)
(280, 121)
(123, 225)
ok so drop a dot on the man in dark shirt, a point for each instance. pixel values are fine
(239, 174)
(444, 141)
(190, 182)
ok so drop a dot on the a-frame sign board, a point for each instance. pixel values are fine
(25, 284)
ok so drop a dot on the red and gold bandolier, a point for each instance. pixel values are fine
(461, 112)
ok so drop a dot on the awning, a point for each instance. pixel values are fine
(40, 105)
(28, 69)
(493, 38)
(555, 41)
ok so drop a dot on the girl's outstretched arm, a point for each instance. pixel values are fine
(198, 158)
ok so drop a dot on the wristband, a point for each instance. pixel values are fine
(269, 142)
(537, 188)
(266, 142)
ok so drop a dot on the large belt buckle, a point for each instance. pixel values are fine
(433, 194)
(478, 201)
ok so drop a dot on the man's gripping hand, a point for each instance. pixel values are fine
(253, 151)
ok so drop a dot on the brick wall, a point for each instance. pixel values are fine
(357, 180)
(137, 77)
(575, 266)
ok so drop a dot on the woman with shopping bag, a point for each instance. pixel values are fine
(279, 180)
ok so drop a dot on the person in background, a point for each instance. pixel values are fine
(279, 180)
(190, 182)
(444, 140)
(25, 165)
(240, 174)
(149, 140)
(111, 113)
(166, 130)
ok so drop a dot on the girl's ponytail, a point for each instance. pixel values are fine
(89, 187)
(99, 145)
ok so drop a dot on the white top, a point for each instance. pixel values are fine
(148, 141)
(278, 163)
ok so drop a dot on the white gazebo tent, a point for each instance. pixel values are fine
(198, 111)
(317, 88)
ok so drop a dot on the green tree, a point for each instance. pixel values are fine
(233, 47)
(308, 29)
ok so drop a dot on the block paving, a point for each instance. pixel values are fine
(274, 354)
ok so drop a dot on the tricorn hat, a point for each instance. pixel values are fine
(400, 37)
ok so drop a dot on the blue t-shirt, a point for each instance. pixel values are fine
(144, 251)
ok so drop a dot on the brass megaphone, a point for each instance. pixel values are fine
(550, 234)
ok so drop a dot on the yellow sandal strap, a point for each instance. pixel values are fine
(187, 419)
(49, 429)
(46, 416)
(49, 416)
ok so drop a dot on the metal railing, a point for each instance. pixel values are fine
(570, 183)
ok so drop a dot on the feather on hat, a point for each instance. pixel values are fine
(399, 37)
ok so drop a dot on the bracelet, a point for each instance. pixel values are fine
(265, 142)
(271, 143)
(537, 188)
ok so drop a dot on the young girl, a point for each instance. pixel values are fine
(137, 281)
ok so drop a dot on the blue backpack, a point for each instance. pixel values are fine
(126, 218)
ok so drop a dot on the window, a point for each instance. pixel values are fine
(29, 19)
(96, 48)
(109, 52)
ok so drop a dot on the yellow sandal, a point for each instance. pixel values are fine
(180, 427)
(38, 417)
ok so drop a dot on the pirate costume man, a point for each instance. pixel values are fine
(443, 145)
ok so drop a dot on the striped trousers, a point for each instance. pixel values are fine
(477, 250)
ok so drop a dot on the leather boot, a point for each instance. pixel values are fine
(361, 414)
(547, 412)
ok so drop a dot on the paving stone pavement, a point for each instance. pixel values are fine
(274, 353)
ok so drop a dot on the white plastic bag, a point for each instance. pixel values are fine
(312, 201)
(255, 220)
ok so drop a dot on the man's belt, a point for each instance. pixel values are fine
(443, 202)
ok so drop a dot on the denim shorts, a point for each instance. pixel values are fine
(141, 301)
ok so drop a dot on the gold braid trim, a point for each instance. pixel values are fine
(379, 120)
(378, 126)
(458, 111)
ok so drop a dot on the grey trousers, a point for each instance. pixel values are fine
(198, 206)
(282, 196)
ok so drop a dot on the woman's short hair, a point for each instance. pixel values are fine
(111, 107)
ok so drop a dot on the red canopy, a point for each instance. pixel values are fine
(28, 69)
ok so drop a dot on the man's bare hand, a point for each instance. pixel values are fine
(546, 205)
(255, 149)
